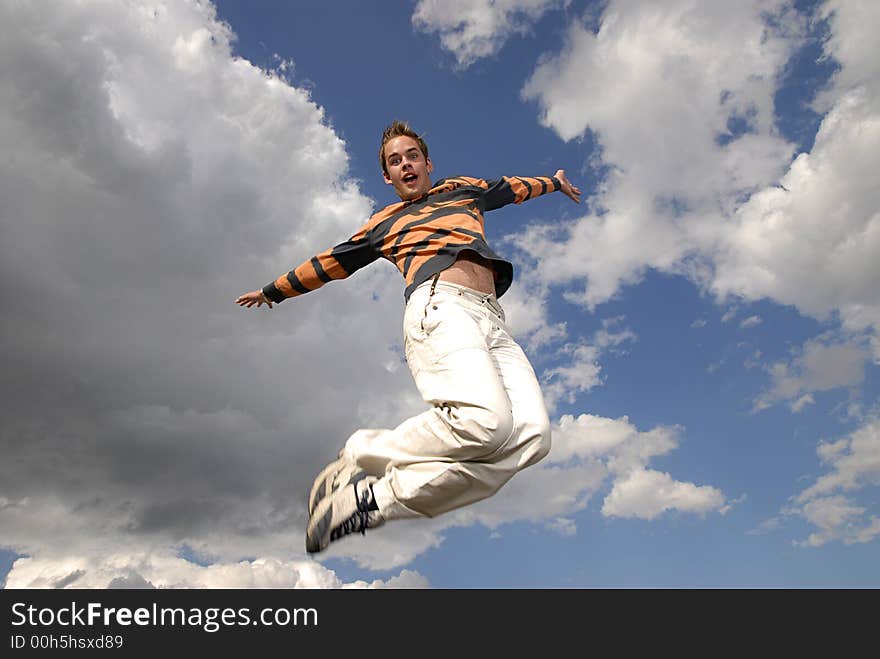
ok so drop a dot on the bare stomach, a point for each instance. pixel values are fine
(471, 270)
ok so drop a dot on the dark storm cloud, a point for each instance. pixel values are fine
(147, 179)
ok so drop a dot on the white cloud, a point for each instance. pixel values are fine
(801, 403)
(818, 366)
(751, 321)
(563, 526)
(853, 464)
(525, 306)
(753, 360)
(540, 494)
(150, 177)
(658, 94)
(659, 85)
(764, 527)
(636, 490)
(581, 370)
(473, 29)
(609, 337)
(647, 493)
(823, 229)
(167, 571)
(812, 244)
(837, 518)
(579, 374)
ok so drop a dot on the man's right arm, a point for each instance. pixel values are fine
(335, 263)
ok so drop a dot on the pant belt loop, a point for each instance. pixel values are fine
(430, 295)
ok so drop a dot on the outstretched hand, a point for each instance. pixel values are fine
(254, 297)
(568, 189)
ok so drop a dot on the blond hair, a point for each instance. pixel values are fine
(399, 129)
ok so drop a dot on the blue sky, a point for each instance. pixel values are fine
(704, 324)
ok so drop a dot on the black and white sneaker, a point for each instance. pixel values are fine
(352, 509)
(335, 476)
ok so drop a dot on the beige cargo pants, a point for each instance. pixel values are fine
(487, 418)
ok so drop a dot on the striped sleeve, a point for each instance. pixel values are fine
(517, 189)
(335, 263)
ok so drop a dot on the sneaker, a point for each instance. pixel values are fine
(335, 476)
(349, 510)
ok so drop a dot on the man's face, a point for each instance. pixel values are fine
(408, 169)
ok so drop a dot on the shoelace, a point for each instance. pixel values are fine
(359, 520)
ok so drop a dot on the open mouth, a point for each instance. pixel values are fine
(409, 178)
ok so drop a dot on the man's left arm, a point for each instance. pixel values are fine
(569, 190)
(517, 189)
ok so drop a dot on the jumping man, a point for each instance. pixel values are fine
(487, 418)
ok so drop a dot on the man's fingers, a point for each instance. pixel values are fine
(250, 299)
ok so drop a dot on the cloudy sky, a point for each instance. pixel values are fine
(706, 325)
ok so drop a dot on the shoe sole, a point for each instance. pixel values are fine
(319, 534)
(319, 526)
(320, 490)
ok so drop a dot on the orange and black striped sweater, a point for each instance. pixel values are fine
(420, 237)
